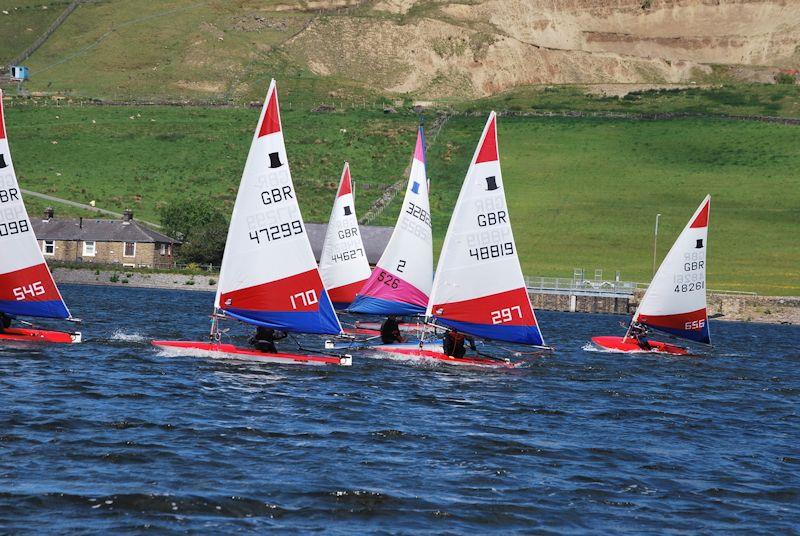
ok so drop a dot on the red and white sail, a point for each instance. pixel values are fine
(26, 285)
(343, 264)
(479, 287)
(401, 281)
(269, 275)
(675, 301)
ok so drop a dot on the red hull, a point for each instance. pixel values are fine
(39, 335)
(429, 352)
(374, 328)
(629, 345)
(211, 349)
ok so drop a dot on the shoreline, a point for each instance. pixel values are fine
(731, 307)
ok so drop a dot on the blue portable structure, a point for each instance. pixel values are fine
(19, 72)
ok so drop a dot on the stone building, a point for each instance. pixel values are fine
(90, 240)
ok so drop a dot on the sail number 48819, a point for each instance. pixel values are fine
(32, 290)
(492, 252)
(501, 316)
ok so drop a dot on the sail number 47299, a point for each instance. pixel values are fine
(501, 316)
(32, 290)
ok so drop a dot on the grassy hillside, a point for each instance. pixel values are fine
(582, 192)
(22, 21)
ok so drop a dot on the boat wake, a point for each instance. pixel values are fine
(120, 335)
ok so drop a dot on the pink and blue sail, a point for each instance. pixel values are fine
(401, 281)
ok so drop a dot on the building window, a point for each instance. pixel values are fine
(163, 249)
(130, 249)
(49, 247)
(88, 248)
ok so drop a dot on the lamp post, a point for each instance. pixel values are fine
(655, 244)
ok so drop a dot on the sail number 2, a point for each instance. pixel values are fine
(32, 290)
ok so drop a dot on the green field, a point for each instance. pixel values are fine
(582, 192)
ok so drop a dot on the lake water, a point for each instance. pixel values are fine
(112, 436)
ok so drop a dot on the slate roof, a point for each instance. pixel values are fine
(96, 230)
(374, 237)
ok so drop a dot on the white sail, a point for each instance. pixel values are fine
(401, 281)
(269, 275)
(343, 263)
(26, 285)
(675, 301)
(479, 287)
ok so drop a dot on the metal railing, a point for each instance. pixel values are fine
(580, 287)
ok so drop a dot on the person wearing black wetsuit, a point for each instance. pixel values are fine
(264, 339)
(390, 331)
(638, 332)
(453, 344)
(5, 322)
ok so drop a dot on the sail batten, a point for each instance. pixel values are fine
(401, 281)
(675, 300)
(479, 287)
(343, 262)
(27, 287)
(269, 276)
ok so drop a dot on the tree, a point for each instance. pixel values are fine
(200, 225)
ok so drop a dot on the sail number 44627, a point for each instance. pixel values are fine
(32, 290)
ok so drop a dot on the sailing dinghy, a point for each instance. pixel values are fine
(269, 276)
(27, 287)
(479, 288)
(401, 281)
(675, 301)
(343, 263)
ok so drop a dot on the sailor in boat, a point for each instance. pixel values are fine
(264, 339)
(639, 333)
(453, 344)
(5, 322)
(390, 331)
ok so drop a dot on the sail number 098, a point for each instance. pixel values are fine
(13, 227)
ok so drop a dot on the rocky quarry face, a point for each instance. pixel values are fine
(477, 48)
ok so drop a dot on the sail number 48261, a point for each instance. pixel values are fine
(32, 290)
(501, 316)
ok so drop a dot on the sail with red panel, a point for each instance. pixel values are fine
(269, 276)
(401, 281)
(675, 301)
(343, 263)
(26, 285)
(479, 288)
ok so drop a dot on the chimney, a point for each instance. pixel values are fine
(127, 216)
(48, 213)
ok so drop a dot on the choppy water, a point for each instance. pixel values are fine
(111, 436)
